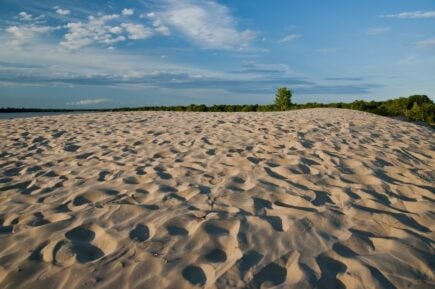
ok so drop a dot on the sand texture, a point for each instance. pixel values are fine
(318, 198)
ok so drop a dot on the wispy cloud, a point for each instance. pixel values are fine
(260, 68)
(88, 101)
(412, 15)
(378, 30)
(206, 23)
(426, 43)
(289, 38)
(338, 89)
(46, 64)
(103, 68)
(345, 78)
(407, 60)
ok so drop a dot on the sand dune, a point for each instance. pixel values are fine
(320, 198)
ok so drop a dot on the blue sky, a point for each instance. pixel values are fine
(88, 54)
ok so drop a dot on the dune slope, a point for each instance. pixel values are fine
(320, 198)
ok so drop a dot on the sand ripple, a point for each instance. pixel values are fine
(320, 198)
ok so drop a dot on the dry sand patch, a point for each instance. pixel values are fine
(318, 198)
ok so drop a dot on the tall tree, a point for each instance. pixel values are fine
(283, 99)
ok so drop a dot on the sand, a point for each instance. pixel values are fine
(319, 198)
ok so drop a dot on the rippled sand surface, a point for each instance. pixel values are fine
(319, 198)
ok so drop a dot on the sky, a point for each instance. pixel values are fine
(103, 54)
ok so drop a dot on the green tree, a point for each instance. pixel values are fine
(283, 99)
(419, 99)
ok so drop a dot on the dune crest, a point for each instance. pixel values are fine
(318, 198)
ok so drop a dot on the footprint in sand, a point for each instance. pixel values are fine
(78, 248)
(215, 230)
(80, 234)
(272, 274)
(6, 229)
(249, 259)
(71, 147)
(330, 268)
(216, 256)
(102, 176)
(38, 220)
(195, 275)
(275, 222)
(130, 180)
(58, 134)
(91, 197)
(176, 231)
(84, 156)
(139, 234)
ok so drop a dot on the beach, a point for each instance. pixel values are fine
(314, 198)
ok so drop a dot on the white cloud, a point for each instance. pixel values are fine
(207, 23)
(95, 30)
(102, 30)
(412, 15)
(157, 24)
(63, 12)
(289, 38)
(377, 30)
(116, 30)
(19, 35)
(127, 12)
(163, 30)
(88, 101)
(426, 43)
(25, 16)
(113, 40)
(137, 31)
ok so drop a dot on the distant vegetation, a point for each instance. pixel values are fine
(415, 107)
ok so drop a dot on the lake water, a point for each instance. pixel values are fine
(11, 115)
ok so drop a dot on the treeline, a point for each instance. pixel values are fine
(415, 108)
(204, 108)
